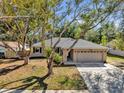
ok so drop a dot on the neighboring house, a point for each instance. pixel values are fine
(74, 50)
(7, 52)
(2, 52)
(116, 52)
(113, 50)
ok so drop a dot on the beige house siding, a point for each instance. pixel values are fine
(64, 56)
(104, 55)
(74, 55)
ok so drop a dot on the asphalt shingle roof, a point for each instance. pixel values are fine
(69, 42)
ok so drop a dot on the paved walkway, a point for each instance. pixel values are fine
(42, 91)
(102, 78)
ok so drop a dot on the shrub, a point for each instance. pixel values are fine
(48, 51)
(57, 58)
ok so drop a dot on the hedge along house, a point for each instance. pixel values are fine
(78, 51)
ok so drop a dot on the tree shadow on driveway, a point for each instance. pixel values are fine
(105, 81)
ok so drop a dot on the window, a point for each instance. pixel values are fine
(37, 50)
(40, 50)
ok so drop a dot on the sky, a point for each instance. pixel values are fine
(85, 3)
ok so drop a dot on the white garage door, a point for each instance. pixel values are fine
(89, 56)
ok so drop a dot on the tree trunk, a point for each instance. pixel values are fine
(26, 60)
(50, 67)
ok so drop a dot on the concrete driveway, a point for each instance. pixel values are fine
(102, 78)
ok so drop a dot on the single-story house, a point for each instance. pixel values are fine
(7, 52)
(74, 50)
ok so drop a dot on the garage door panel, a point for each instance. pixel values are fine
(89, 56)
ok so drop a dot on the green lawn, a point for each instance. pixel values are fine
(116, 61)
(113, 58)
(31, 76)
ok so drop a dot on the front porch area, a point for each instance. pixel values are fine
(68, 56)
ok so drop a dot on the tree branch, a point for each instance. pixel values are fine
(5, 45)
(14, 17)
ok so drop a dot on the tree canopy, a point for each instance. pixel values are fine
(26, 20)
